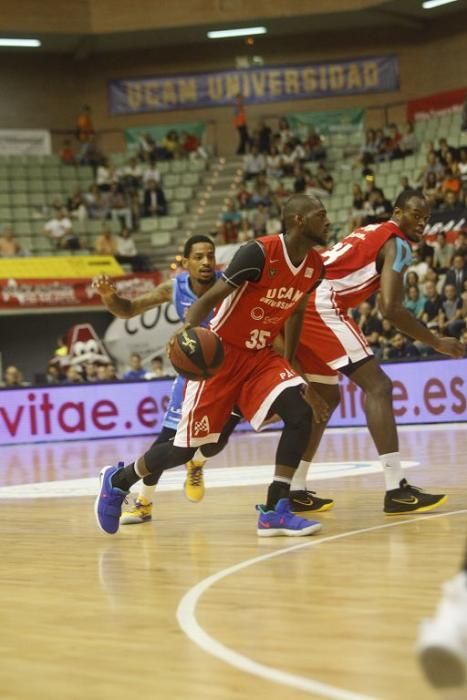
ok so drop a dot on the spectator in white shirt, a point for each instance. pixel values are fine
(59, 231)
(105, 176)
(132, 175)
(254, 163)
(152, 173)
(127, 252)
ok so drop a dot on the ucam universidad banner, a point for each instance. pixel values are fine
(424, 392)
(271, 84)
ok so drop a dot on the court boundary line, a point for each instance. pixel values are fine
(186, 618)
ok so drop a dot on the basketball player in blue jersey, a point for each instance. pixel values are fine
(199, 261)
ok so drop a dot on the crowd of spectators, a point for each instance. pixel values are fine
(88, 373)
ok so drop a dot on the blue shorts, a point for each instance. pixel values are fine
(174, 411)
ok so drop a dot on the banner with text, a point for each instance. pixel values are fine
(335, 121)
(25, 142)
(275, 83)
(424, 392)
(46, 293)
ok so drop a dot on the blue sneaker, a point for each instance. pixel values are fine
(281, 521)
(108, 505)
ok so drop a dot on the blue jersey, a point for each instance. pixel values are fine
(183, 297)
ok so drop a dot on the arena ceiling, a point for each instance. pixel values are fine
(362, 18)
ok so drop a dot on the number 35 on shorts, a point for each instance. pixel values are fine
(258, 339)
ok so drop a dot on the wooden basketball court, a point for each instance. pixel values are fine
(195, 606)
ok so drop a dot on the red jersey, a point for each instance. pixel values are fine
(255, 313)
(351, 264)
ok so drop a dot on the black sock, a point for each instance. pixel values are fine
(125, 477)
(276, 491)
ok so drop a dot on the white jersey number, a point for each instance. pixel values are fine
(258, 339)
(341, 248)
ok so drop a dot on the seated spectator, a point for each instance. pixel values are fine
(433, 314)
(120, 206)
(245, 232)
(285, 134)
(228, 230)
(146, 148)
(287, 160)
(243, 197)
(191, 146)
(443, 254)
(325, 180)
(298, 152)
(97, 203)
(369, 323)
(408, 144)
(261, 192)
(67, 154)
(60, 232)
(273, 163)
(358, 207)
(377, 209)
(314, 147)
(127, 253)
(450, 183)
(444, 150)
(462, 165)
(90, 372)
(401, 348)
(452, 308)
(230, 214)
(9, 246)
(457, 273)
(73, 375)
(105, 243)
(393, 142)
(170, 145)
(105, 176)
(152, 173)
(418, 264)
(432, 166)
(259, 220)
(132, 176)
(111, 374)
(432, 189)
(157, 369)
(414, 301)
(369, 149)
(154, 203)
(405, 184)
(12, 378)
(451, 203)
(136, 370)
(411, 280)
(53, 374)
(460, 244)
(299, 185)
(76, 205)
(254, 163)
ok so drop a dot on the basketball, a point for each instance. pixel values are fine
(196, 354)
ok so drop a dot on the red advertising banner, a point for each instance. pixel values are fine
(47, 293)
(435, 103)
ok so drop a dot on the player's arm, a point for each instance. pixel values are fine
(126, 308)
(396, 257)
(293, 328)
(246, 266)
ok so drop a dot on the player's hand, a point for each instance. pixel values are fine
(450, 346)
(318, 405)
(104, 285)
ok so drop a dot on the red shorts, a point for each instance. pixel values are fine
(330, 339)
(251, 380)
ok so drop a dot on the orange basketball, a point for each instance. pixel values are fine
(196, 353)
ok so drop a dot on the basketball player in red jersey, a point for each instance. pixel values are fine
(264, 290)
(371, 258)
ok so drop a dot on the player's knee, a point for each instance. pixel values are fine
(382, 386)
(298, 415)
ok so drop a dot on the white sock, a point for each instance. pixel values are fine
(146, 491)
(282, 479)
(198, 456)
(392, 470)
(299, 478)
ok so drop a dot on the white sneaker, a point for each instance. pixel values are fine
(442, 640)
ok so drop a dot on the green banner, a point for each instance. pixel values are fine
(159, 131)
(336, 121)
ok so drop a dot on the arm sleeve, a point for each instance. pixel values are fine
(246, 266)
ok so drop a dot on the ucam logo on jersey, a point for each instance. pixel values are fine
(277, 297)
